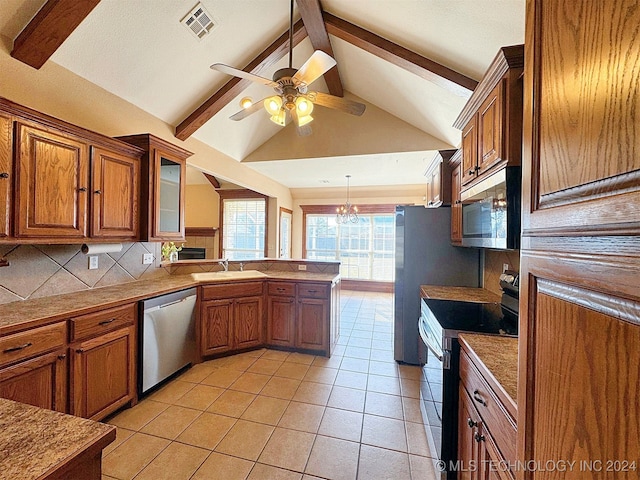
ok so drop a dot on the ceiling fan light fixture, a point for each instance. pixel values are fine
(279, 118)
(246, 102)
(273, 105)
(304, 106)
(304, 120)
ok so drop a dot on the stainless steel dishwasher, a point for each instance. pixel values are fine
(167, 337)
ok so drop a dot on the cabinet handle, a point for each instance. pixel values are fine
(82, 189)
(4, 175)
(280, 289)
(107, 322)
(312, 291)
(17, 347)
(471, 172)
(471, 423)
(458, 202)
(98, 192)
(62, 357)
(478, 438)
(478, 398)
(477, 167)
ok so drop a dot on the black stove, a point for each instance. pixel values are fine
(440, 323)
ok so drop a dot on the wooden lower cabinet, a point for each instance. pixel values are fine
(216, 326)
(281, 317)
(103, 373)
(248, 314)
(40, 381)
(312, 319)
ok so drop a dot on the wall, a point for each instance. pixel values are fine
(397, 195)
(202, 204)
(493, 261)
(45, 270)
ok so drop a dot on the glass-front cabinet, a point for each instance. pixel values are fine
(162, 198)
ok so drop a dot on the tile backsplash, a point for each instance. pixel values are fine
(493, 261)
(44, 270)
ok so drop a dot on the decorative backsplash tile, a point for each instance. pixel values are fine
(493, 261)
(45, 270)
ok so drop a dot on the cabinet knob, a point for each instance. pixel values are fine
(478, 438)
(62, 357)
(471, 423)
(4, 175)
(98, 192)
(458, 202)
(82, 189)
(471, 172)
(79, 350)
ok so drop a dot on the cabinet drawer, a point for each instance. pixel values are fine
(32, 342)
(313, 290)
(228, 290)
(97, 323)
(494, 416)
(282, 288)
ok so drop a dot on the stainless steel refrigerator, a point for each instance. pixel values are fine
(425, 256)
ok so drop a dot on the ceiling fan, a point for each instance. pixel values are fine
(292, 99)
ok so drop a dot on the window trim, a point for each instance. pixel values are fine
(326, 209)
(242, 194)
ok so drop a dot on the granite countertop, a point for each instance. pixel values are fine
(20, 315)
(499, 354)
(35, 441)
(465, 294)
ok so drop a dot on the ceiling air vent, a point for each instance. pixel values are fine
(199, 22)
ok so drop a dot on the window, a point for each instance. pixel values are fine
(243, 228)
(365, 249)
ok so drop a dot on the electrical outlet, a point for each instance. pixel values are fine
(505, 267)
(93, 262)
(147, 258)
(302, 267)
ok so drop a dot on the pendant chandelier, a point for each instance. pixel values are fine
(347, 213)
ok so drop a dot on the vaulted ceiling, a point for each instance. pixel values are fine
(412, 62)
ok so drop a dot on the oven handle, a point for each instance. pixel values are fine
(429, 343)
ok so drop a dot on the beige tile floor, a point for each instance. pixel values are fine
(274, 415)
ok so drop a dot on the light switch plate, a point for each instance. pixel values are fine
(147, 258)
(302, 267)
(93, 262)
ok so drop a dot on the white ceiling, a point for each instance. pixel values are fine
(139, 50)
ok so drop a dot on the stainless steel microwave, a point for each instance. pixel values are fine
(491, 211)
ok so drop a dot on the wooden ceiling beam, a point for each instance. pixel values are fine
(446, 78)
(235, 86)
(212, 180)
(51, 26)
(311, 13)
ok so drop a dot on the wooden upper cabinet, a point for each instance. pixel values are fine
(469, 152)
(163, 169)
(52, 172)
(6, 174)
(115, 190)
(456, 203)
(439, 179)
(490, 130)
(491, 121)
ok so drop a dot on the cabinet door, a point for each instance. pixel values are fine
(468, 422)
(490, 129)
(53, 181)
(469, 151)
(103, 374)
(168, 197)
(41, 381)
(436, 185)
(248, 322)
(456, 207)
(281, 321)
(312, 324)
(216, 323)
(6, 174)
(115, 190)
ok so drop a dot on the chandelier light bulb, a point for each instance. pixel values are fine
(347, 213)
(246, 102)
(273, 105)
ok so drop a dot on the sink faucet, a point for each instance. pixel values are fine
(241, 267)
(225, 264)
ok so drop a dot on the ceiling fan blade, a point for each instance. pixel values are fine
(303, 130)
(221, 67)
(313, 68)
(337, 103)
(245, 112)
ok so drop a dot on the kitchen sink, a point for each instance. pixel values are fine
(222, 276)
